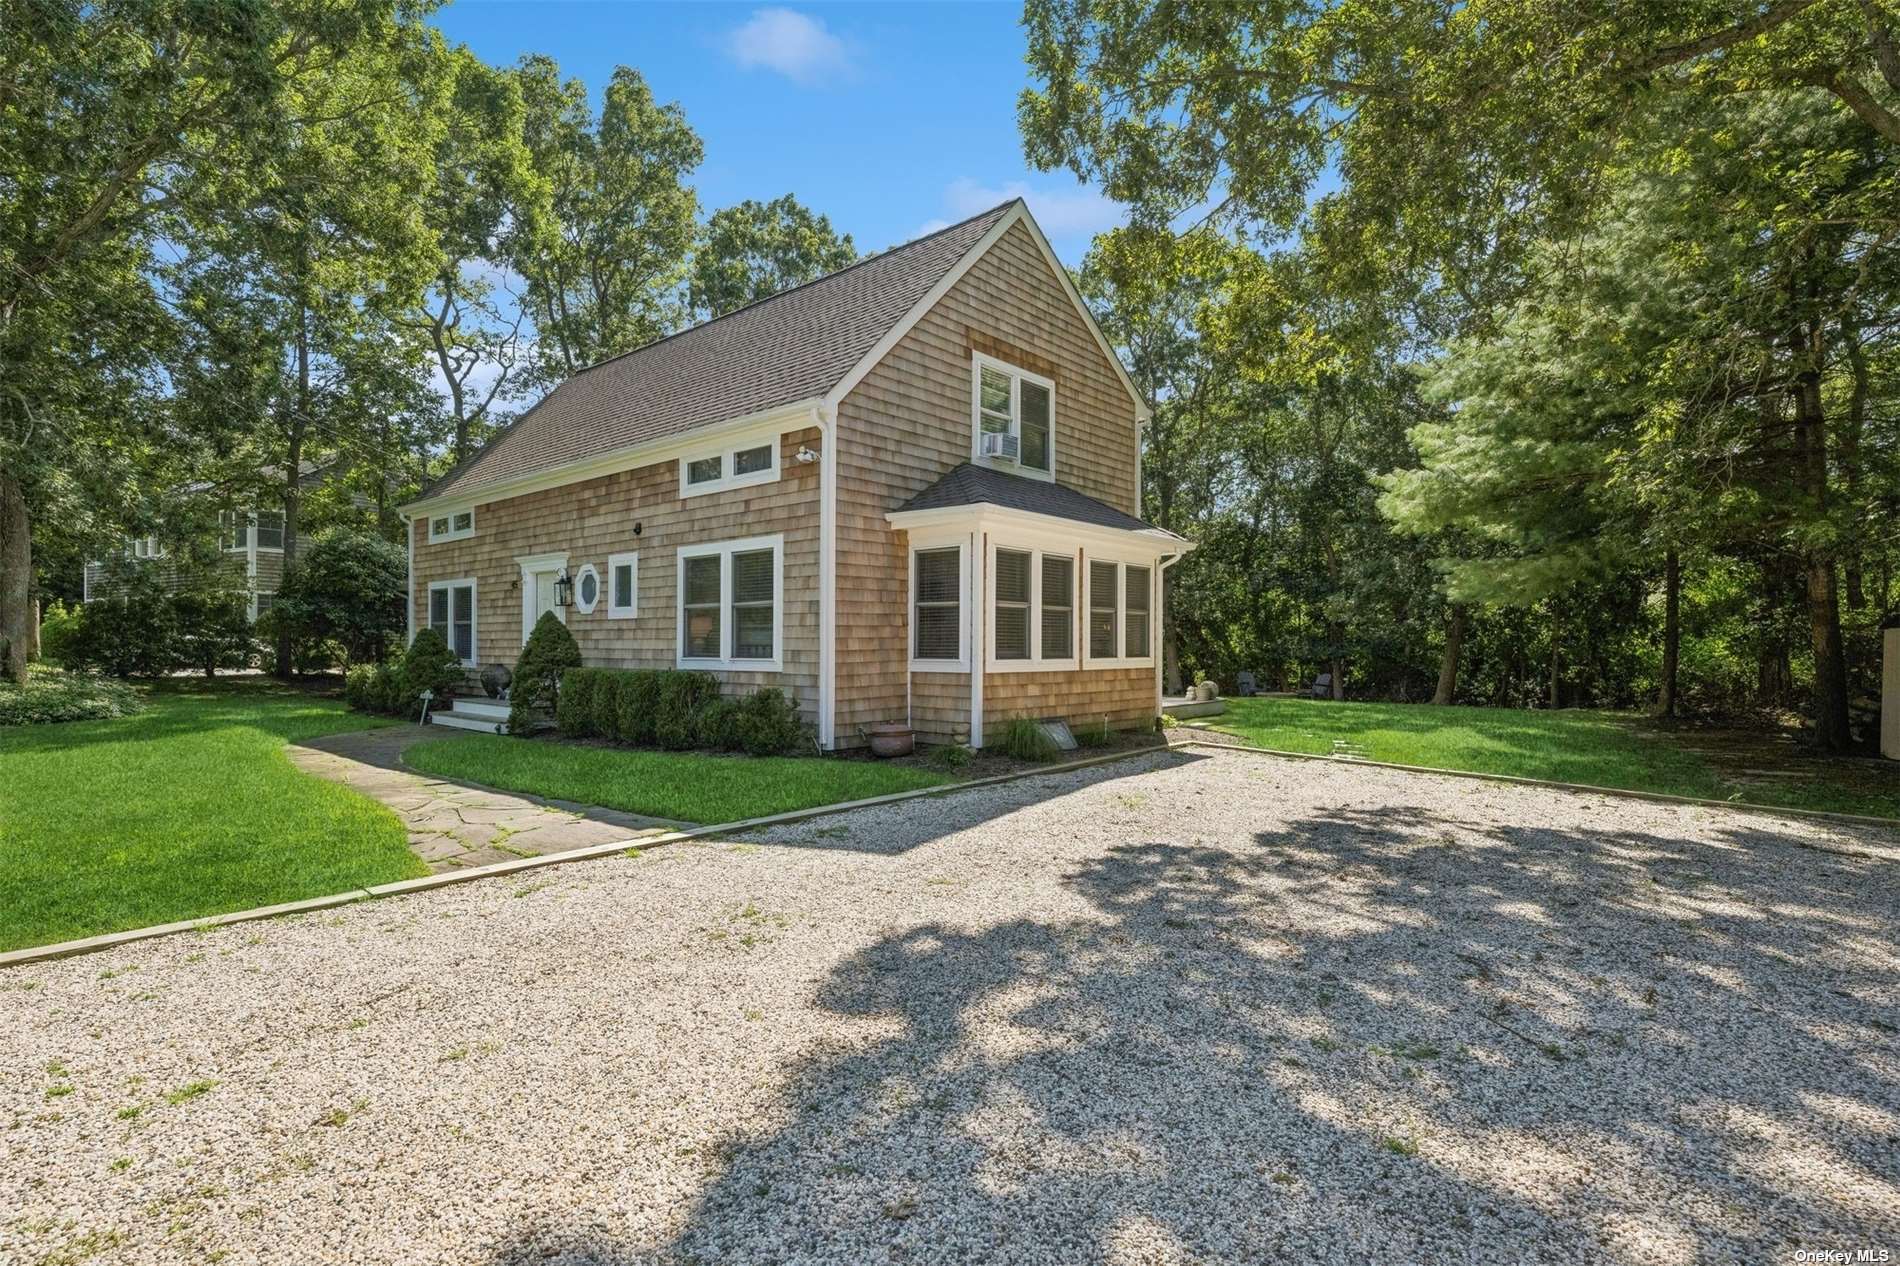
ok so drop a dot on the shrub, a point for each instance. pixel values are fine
(638, 703)
(213, 628)
(359, 694)
(951, 756)
(430, 665)
(767, 724)
(715, 725)
(682, 695)
(380, 688)
(59, 631)
(603, 707)
(1024, 739)
(134, 633)
(550, 652)
(575, 713)
(52, 694)
(347, 588)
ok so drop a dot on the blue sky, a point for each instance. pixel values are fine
(892, 119)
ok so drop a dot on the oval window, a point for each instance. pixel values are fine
(587, 589)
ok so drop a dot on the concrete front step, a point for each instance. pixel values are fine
(459, 720)
(490, 708)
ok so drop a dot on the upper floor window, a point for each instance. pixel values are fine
(733, 465)
(1013, 417)
(239, 529)
(453, 526)
(269, 525)
(147, 547)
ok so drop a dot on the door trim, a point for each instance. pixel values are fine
(530, 564)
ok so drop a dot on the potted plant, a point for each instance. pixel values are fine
(891, 738)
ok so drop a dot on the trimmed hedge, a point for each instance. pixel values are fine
(395, 689)
(676, 709)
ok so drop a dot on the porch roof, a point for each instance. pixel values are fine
(970, 485)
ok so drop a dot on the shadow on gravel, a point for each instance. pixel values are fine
(1603, 1045)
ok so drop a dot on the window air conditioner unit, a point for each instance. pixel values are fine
(999, 444)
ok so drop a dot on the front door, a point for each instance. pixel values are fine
(544, 596)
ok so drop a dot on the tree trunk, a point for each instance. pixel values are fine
(1339, 679)
(1851, 430)
(1824, 608)
(16, 578)
(1672, 634)
(1448, 663)
(1556, 669)
(293, 474)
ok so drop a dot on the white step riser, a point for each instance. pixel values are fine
(480, 708)
(481, 725)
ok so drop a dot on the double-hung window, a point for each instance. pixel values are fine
(733, 465)
(936, 624)
(731, 604)
(452, 613)
(1015, 404)
(269, 526)
(1032, 609)
(1121, 605)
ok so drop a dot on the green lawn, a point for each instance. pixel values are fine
(188, 809)
(1604, 749)
(686, 786)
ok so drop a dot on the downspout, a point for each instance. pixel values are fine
(1157, 634)
(825, 418)
(409, 598)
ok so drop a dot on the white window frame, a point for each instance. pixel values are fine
(586, 608)
(147, 548)
(728, 627)
(961, 664)
(474, 616)
(1017, 376)
(229, 521)
(452, 533)
(727, 451)
(1086, 583)
(1035, 662)
(614, 563)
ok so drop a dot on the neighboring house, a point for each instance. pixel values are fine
(906, 490)
(250, 545)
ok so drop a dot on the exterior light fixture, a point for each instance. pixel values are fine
(564, 590)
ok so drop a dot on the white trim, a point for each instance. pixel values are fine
(1020, 215)
(1035, 662)
(555, 561)
(961, 664)
(827, 422)
(614, 563)
(728, 629)
(580, 604)
(727, 451)
(646, 453)
(474, 615)
(1161, 597)
(1017, 377)
(974, 598)
(448, 516)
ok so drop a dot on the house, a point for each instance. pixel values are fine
(249, 546)
(907, 490)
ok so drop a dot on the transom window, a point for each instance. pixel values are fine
(452, 613)
(1032, 609)
(623, 586)
(1014, 417)
(453, 526)
(741, 465)
(730, 600)
(1121, 604)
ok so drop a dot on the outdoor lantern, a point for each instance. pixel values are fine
(564, 590)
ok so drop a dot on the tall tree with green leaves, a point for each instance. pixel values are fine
(753, 250)
(605, 271)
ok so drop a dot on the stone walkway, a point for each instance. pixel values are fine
(454, 825)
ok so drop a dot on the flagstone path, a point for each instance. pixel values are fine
(453, 825)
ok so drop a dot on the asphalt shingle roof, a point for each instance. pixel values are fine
(970, 484)
(793, 346)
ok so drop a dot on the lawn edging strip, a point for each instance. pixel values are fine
(1661, 797)
(615, 848)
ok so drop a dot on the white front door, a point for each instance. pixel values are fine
(544, 597)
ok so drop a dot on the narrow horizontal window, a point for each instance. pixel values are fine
(705, 470)
(742, 465)
(750, 461)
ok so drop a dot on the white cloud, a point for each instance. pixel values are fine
(1077, 211)
(796, 45)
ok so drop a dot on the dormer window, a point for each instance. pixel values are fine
(1013, 417)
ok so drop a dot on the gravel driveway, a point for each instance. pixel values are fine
(1192, 1007)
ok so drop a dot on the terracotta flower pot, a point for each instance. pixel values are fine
(892, 738)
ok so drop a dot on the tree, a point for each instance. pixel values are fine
(756, 249)
(350, 587)
(116, 114)
(604, 272)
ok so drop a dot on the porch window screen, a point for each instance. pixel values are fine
(939, 616)
(752, 604)
(1058, 607)
(1012, 604)
(1102, 586)
(1135, 630)
(700, 631)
